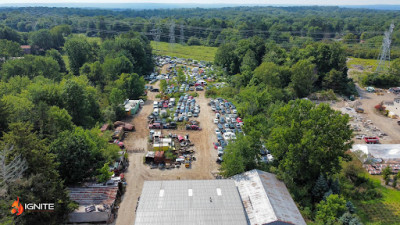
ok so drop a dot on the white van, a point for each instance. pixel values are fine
(155, 104)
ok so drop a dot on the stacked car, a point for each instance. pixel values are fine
(228, 123)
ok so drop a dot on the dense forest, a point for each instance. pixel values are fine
(85, 62)
(360, 29)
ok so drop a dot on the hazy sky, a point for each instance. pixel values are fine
(276, 2)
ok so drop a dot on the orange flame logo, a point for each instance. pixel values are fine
(17, 207)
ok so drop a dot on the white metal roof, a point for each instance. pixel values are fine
(208, 202)
(266, 199)
(387, 152)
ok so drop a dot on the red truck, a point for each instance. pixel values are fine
(371, 140)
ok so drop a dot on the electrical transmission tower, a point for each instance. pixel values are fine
(156, 33)
(182, 37)
(384, 56)
(172, 34)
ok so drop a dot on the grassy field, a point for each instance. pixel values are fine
(364, 64)
(383, 211)
(182, 51)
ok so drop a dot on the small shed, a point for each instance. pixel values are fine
(159, 157)
(150, 157)
(131, 107)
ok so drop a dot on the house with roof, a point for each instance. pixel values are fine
(266, 199)
(96, 203)
(26, 49)
(211, 202)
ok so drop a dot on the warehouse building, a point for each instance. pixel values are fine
(266, 199)
(208, 202)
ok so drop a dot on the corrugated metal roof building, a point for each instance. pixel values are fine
(266, 199)
(208, 202)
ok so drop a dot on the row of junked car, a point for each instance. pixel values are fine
(186, 108)
(228, 124)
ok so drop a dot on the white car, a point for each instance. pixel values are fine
(189, 114)
(213, 108)
(217, 131)
(216, 121)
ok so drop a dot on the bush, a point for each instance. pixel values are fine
(194, 94)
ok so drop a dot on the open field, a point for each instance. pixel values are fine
(183, 51)
(366, 64)
(382, 211)
(358, 68)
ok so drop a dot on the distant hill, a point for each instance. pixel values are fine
(143, 6)
(376, 7)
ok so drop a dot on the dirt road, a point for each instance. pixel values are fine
(137, 173)
(387, 125)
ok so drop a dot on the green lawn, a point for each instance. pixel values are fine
(382, 211)
(183, 51)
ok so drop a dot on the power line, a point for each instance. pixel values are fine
(384, 56)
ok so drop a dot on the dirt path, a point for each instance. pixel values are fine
(137, 173)
(387, 125)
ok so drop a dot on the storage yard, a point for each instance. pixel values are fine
(137, 143)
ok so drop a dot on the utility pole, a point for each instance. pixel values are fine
(182, 37)
(384, 56)
(172, 35)
(156, 33)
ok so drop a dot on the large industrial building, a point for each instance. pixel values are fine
(208, 202)
(253, 198)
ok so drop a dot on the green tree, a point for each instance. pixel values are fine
(163, 86)
(31, 66)
(320, 188)
(193, 41)
(58, 33)
(270, 74)
(114, 67)
(240, 156)
(132, 84)
(4, 113)
(386, 174)
(94, 72)
(329, 210)
(349, 219)
(336, 80)
(307, 140)
(9, 49)
(227, 59)
(77, 155)
(249, 61)
(54, 54)
(41, 182)
(75, 101)
(78, 52)
(303, 78)
(116, 97)
(105, 174)
(41, 40)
